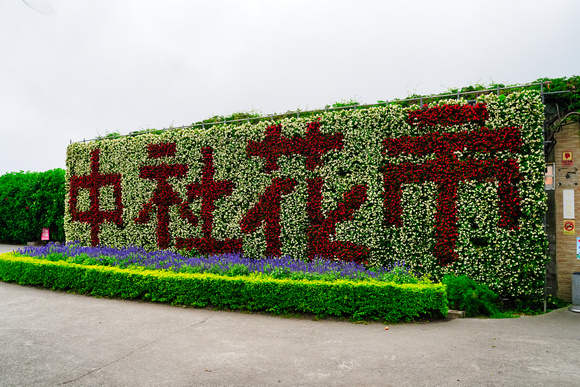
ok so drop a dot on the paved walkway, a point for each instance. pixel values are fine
(9, 248)
(50, 338)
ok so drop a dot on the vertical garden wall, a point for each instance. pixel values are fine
(449, 186)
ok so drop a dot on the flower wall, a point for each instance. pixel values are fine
(449, 186)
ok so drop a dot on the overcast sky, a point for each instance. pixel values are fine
(74, 69)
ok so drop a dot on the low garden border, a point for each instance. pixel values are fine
(364, 300)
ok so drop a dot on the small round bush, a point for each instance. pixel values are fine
(465, 294)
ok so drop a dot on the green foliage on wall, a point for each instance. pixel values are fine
(30, 201)
(565, 91)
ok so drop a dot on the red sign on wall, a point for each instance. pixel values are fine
(45, 235)
(570, 227)
(566, 159)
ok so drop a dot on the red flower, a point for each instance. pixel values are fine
(95, 216)
(209, 190)
(163, 196)
(156, 151)
(312, 146)
(447, 170)
(448, 115)
(321, 227)
(267, 212)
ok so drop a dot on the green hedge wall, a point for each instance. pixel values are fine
(357, 300)
(446, 187)
(30, 201)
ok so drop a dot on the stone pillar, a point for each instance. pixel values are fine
(567, 178)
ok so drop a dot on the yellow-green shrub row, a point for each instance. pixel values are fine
(357, 300)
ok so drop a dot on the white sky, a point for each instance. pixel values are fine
(98, 66)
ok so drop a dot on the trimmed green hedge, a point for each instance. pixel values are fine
(357, 300)
(30, 201)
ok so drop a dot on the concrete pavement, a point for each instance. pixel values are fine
(50, 338)
(9, 248)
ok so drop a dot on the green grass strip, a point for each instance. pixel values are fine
(368, 300)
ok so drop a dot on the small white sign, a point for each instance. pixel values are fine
(578, 248)
(568, 203)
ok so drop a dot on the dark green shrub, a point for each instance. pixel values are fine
(532, 306)
(30, 201)
(465, 294)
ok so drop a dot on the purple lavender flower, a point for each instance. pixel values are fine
(226, 264)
